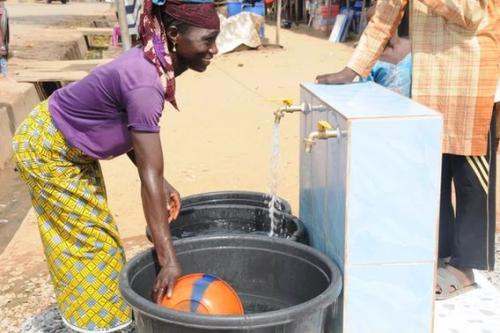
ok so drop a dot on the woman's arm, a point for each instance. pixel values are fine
(173, 196)
(149, 160)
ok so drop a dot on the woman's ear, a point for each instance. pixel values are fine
(172, 35)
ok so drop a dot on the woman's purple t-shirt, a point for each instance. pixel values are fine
(97, 113)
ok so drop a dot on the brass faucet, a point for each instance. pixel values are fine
(288, 107)
(324, 132)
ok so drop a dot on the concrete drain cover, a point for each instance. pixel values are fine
(50, 321)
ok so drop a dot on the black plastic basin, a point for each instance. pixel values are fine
(255, 199)
(284, 286)
(235, 219)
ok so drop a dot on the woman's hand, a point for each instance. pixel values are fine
(165, 281)
(346, 75)
(173, 201)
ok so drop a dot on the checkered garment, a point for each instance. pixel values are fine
(79, 235)
(456, 62)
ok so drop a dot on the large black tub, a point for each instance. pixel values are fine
(248, 198)
(285, 287)
(223, 219)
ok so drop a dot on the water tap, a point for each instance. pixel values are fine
(324, 132)
(287, 107)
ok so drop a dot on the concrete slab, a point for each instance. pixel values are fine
(16, 102)
(14, 203)
(475, 311)
(6, 132)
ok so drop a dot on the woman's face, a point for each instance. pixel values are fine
(196, 47)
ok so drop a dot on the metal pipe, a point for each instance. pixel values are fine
(324, 132)
(122, 20)
(280, 113)
(278, 23)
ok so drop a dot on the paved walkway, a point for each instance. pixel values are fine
(477, 311)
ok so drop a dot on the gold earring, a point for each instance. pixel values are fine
(173, 48)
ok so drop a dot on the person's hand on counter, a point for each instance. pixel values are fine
(346, 75)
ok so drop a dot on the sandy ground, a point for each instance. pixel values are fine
(220, 140)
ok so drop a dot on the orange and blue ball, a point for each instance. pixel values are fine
(204, 294)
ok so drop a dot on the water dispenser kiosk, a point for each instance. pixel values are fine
(369, 197)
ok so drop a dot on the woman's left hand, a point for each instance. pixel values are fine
(173, 201)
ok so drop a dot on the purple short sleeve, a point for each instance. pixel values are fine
(98, 113)
(144, 108)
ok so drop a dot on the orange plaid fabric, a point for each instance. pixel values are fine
(456, 62)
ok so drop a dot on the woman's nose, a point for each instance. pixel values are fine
(213, 49)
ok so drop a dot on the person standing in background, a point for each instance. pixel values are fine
(456, 66)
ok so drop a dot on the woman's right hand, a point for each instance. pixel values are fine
(346, 75)
(149, 160)
(165, 281)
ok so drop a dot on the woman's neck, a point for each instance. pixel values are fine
(178, 68)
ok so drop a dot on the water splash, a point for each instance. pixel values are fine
(273, 183)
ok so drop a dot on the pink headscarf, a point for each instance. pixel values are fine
(154, 40)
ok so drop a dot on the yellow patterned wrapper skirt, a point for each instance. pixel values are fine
(79, 235)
